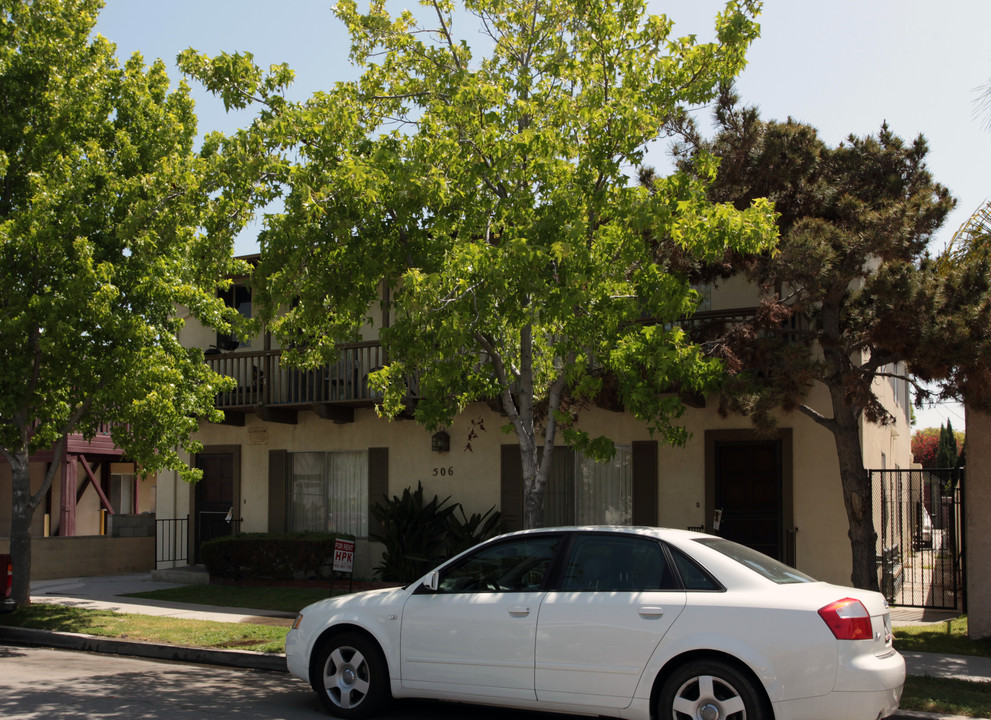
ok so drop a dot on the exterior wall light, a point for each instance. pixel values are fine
(440, 442)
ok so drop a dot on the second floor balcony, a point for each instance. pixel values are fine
(276, 392)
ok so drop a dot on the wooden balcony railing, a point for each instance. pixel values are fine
(262, 379)
(266, 386)
(711, 324)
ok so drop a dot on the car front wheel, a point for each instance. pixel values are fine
(352, 680)
(709, 690)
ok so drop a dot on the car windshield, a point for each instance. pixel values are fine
(760, 563)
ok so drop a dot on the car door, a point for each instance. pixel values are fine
(475, 634)
(617, 599)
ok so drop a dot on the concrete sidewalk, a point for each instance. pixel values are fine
(110, 593)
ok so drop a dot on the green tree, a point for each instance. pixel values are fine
(946, 451)
(100, 201)
(851, 282)
(477, 183)
(959, 345)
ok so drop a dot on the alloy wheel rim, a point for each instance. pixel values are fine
(707, 697)
(346, 677)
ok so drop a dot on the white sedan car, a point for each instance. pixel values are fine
(616, 621)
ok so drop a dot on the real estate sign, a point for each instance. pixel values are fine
(343, 555)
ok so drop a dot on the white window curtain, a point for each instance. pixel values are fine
(329, 492)
(586, 492)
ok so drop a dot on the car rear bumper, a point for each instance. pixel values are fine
(866, 690)
(846, 705)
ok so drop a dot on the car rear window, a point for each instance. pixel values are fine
(760, 563)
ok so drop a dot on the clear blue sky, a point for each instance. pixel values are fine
(844, 66)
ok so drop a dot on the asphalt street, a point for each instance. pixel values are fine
(39, 681)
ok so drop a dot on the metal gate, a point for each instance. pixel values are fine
(918, 515)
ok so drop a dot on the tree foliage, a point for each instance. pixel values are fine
(850, 300)
(101, 199)
(475, 177)
(924, 445)
(956, 355)
(947, 451)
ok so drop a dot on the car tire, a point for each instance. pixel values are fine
(351, 676)
(710, 690)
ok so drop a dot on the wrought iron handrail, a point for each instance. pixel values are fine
(172, 540)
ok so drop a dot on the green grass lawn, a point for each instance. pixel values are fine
(945, 696)
(284, 599)
(944, 638)
(939, 695)
(149, 628)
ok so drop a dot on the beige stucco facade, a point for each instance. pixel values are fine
(812, 514)
(472, 477)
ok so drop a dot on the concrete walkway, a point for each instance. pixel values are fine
(110, 593)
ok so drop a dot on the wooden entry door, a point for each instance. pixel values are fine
(750, 484)
(217, 495)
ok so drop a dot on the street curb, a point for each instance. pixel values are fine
(242, 659)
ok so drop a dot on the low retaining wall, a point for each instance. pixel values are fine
(81, 556)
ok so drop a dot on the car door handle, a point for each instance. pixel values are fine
(650, 611)
(519, 610)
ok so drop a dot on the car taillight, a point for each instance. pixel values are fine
(848, 619)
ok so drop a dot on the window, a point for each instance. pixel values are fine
(512, 566)
(692, 576)
(328, 492)
(122, 493)
(761, 564)
(704, 290)
(615, 564)
(239, 298)
(581, 491)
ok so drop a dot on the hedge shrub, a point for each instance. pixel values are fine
(268, 556)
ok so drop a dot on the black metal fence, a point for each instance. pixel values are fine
(172, 540)
(919, 515)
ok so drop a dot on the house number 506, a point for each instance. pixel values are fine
(443, 471)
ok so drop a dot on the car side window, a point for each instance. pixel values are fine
(692, 576)
(517, 565)
(601, 563)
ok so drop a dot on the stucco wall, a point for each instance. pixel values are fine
(37, 471)
(978, 523)
(67, 557)
(472, 477)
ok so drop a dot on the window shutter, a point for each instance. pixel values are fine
(378, 485)
(278, 481)
(645, 482)
(511, 494)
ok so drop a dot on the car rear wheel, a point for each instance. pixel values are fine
(709, 690)
(353, 680)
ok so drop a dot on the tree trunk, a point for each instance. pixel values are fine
(857, 498)
(533, 488)
(20, 526)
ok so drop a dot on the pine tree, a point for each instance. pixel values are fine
(946, 453)
(851, 278)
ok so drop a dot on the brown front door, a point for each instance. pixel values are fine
(748, 491)
(217, 511)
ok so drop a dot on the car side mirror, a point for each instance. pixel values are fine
(432, 581)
